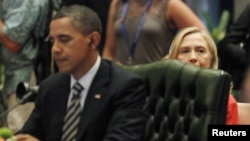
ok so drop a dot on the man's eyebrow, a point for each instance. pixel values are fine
(62, 36)
(49, 37)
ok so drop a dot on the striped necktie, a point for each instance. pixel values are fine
(72, 117)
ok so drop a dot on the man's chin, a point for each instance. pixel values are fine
(64, 71)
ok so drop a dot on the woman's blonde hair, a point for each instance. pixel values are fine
(176, 43)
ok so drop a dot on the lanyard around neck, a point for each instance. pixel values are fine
(138, 29)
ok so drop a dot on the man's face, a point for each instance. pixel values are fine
(70, 48)
(194, 50)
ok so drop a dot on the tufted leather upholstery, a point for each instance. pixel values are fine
(183, 100)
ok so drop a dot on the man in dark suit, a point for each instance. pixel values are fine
(112, 99)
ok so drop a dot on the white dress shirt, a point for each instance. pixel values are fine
(86, 81)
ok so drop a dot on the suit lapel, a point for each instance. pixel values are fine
(63, 92)
(58, 97)
(95, 95)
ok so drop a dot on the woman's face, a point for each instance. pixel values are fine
(194, 50)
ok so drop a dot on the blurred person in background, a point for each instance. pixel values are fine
(21, 25)
(140, 31)
(234, 53)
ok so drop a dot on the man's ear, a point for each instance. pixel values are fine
(90, 42)
(94, 39)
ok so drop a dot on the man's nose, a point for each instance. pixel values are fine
(55, 47)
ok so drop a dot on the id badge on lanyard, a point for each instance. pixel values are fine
(131, 48)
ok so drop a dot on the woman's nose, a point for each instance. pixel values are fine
(193, 57)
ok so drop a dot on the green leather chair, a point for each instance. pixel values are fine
(183, 100)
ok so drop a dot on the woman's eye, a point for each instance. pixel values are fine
(184, 51)
(201, 51)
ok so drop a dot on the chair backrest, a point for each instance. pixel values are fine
(183, 99)
(244, 113)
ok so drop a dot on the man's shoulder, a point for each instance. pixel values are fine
(120, 73)
(120, 70)
(55, 79)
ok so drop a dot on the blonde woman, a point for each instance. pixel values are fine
(195, 46)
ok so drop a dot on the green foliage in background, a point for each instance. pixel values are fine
(217, 32)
